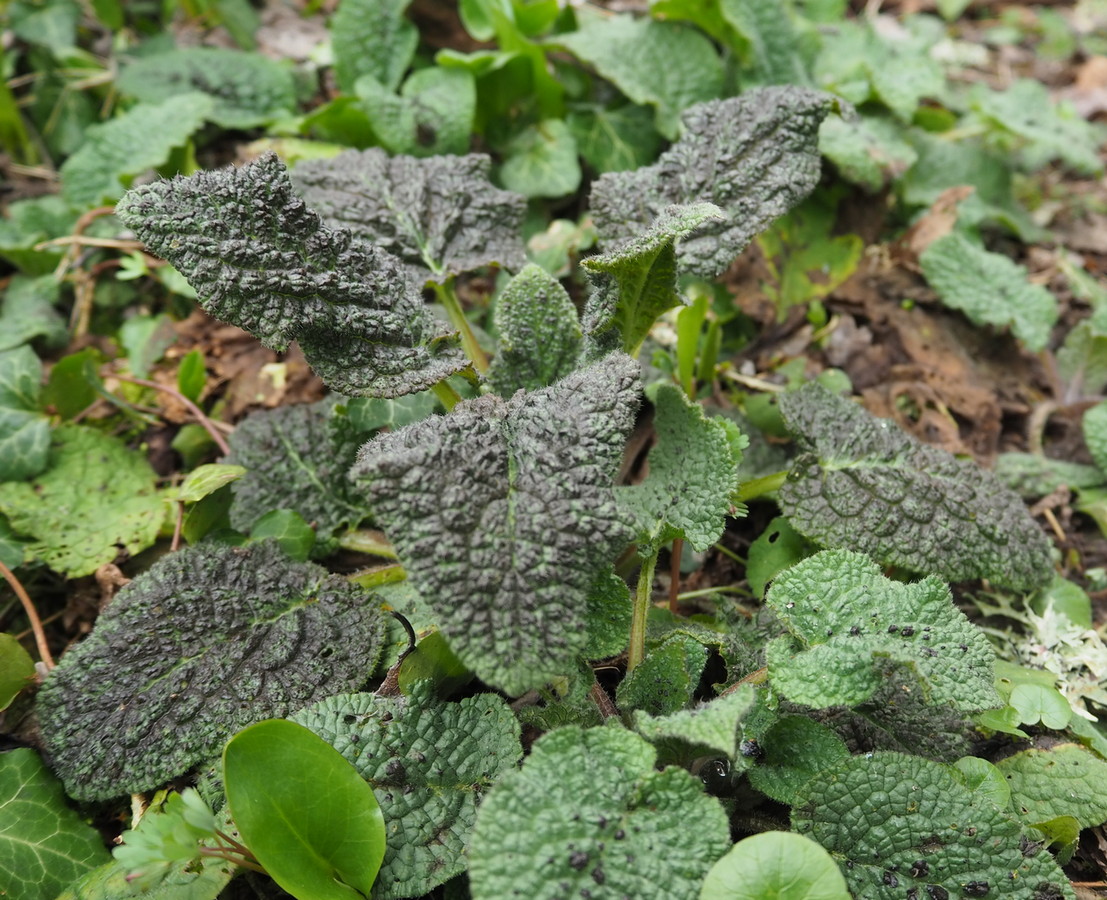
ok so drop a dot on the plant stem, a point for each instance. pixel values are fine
(207, 424)
(642, 595)
(376, 577)
(759, 487)
(371, 542)
(447, 296)
(446, 395)
(32, 615)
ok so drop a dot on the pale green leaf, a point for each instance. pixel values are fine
(1066, 780)
(432, 115)
(772, 44)
(989, 288)
(17, 669)
(614, 140)
(896, 824)
(981, 776)
(541, 161)
(76, 530)
(27, 312)
(868, 151)
(372, 37)
(209, 640)
(588, 812)
(205, 479)
(776, 864)
(24, 430)
(428, 763)
(1095, 434)
(846, 620)
(44, 844)
(129, 144)
(713, 727)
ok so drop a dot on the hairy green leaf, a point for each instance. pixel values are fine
(297, 458)
(608, 615)
(898, 823)
(665, 680)
(541, 161)
(248, 89)
(1066, 780)
(614, 140)
(794, 750)
(1095, 434)
(372, 37)
(665, 65)
(588, 813)
(636, 282)
(27, 312)
(303, 811)
(209, 640)
(754, 156)
(129, 144)
(77, 531)
(868, 151)
(428, 763)
(1031, 475)
(846, 620)
(777, 864)
(862, 483)
(27, 223)
(24, 430)
(691, 476)
(439, 215)
(432, 114)
(44, 845)
(504, 516)
(713, 727)
(190, 880)
(539, 333)
(773, 55)
(989, 288)
(260, 259)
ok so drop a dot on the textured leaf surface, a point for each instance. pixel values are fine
(870, 151)
(539, 333)
(27, 312)
(372, 37)
(297, 458)
(139, 139)
(588, 813)
(896, 823)
(777, 864)
(754, 156)
(665, 680)
(184, 881)
(713, 726)
(862, 483)
(428, 763)
(44, 845)
(432, 115)
(661, 64)
(439, 215)
(209, 640)
(773, 55)
(989, 288)
(1095, 434)
(847, 619)
(248, 89)
(795, 749)
(614, 140)
(76, 531)
(636, 283)
(1063, 781)
(691, 476)
(24, 430)
(541, 161)
(260, 259)
(504, 516)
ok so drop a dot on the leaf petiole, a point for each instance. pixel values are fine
(447, 296)
(637, 649)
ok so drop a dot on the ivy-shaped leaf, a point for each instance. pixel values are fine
(24, 430)
(44, 845)
(129, 144)
(860, 482)
(504, 515)
(440, 215)
(587, 815)
(428, 763)
(248, 89)
(297, 458)
(1066, 780)
(845, 617)
(636, 283)
(260, 259)
(691, 476)
(539, 333)
(754, 156)
(989, 288)
(898, 824)
(77, 531)
(207, 641)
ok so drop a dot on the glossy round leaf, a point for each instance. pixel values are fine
(778, 865)
(304, 812)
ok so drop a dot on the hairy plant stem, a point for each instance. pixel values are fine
(446, 395)
(759, 487)
(447, 296)
(642, 595)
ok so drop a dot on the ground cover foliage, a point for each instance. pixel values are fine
(519, 448)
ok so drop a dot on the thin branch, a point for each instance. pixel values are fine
(32, 615)
(201, 417)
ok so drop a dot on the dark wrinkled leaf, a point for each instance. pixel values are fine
(209, 640)
(754, 156)
(259, 258)
(439, 215)
(504, 516)
(863, 484)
